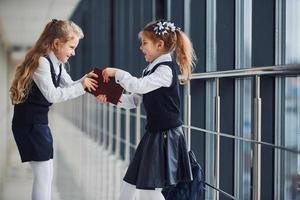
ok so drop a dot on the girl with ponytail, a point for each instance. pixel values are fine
(161, 158)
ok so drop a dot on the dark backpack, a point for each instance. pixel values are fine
(193, 190)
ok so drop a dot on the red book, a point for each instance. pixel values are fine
(111, 89)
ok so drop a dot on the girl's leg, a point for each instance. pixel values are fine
(41, 179)
(51, 178)
(128, 191)
(151, 194)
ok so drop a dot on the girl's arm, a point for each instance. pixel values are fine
(161, 77)
(42, 78)
(66, 79)
(130, 101)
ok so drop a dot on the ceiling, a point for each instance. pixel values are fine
(22, 21)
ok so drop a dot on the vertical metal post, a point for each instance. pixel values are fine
(187, 17)
(168, 9)
(187, 114)
(211, 65)
(90, 118)
(279, 130)
(127, 136)
(217, 143)
(118, 132)
(138, 125)
(100, 124)
(187, 28)
(257, 137)
(104, 127)
(88, 115)
(110, 128)
(243, 99)
(153, 9)
(280, 50)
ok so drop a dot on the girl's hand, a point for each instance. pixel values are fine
(108, 72)
(92, 74)
(101, 98)
(89, 84)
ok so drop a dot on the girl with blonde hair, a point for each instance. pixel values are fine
(41, 80)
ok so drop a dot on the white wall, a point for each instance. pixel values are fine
(3, 111)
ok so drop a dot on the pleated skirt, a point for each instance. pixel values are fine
(161, 160)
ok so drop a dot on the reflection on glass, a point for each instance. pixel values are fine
(247, 129)
(292, 102)
(292, 117)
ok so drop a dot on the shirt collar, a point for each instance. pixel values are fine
(163, 58)
(54, 59)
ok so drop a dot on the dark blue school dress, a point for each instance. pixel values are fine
(30, 124)
(161, 158)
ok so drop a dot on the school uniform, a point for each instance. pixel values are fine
(51, 84)
(161, 158)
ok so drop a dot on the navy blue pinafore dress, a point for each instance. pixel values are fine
(30, 124)
(161, 158)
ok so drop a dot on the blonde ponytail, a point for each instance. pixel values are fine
(185, 56)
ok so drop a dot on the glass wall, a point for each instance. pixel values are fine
(291, 134)
(226, 35)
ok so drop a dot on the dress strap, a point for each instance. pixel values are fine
(53, 75)
(168, 63)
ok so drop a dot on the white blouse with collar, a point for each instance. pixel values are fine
(68, 89)
(161, 77)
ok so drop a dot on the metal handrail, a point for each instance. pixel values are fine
(229, 136)
(271, 70)
(219, 190)
(243, 139)
(236, 137)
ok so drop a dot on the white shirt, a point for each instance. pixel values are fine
(68, 89)
(161, 77)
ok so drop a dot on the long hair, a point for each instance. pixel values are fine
(56, 29)
(174, 39)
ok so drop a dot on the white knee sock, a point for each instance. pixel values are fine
(151, 195)
(42, 178)
(128, 191)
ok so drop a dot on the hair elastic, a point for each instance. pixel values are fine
(54, 21)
